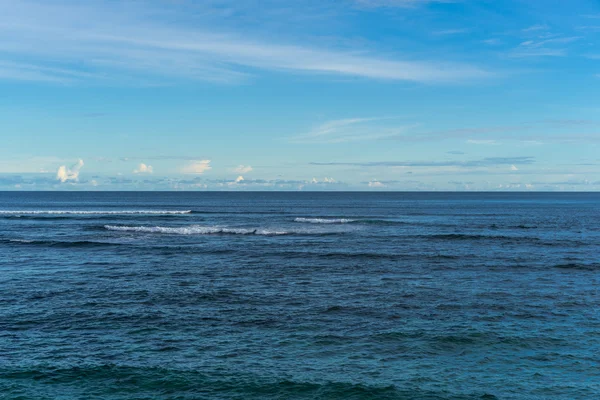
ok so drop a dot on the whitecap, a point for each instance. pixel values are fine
(194, 230)
(94, 212)
(324, 220)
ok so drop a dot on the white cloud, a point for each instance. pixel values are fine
(446, 32)
(399, 3)
(242, 169)
(325, 180)
(197, 167)
(65, 174)
(129, 39)
(543, 48)
(483, 142)
(536, 28)
(143, 169)
(351, 130)
(376, 184)
(239, 179)
(492, 42)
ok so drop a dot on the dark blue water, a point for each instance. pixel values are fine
(299, 296)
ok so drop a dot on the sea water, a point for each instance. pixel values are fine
(299, 295)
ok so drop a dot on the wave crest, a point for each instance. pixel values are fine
(194, 230)
(94, 212)
(324, 220)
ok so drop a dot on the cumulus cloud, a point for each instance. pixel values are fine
(239, 179)
(65, 174)
(143, 169)
(197, 167)
(376, 184)
(323, 181)
(242, 169)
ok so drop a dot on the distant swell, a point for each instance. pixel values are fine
(122, 381)
(324, 220)
(59, 244)
(93, 212)
(194, 230)
(579, 266)
(465, 236)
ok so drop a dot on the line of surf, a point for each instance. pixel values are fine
(324, 220)
(195, 230)
(94, 212)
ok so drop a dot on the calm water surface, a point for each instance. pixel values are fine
(299, 296)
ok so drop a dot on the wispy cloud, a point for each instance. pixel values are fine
(121, 41)
(492, 42)
(536, 28)
(399, 3)
(159, 157)
(484, 162)
(485, 142)
(197, 167)
(350, 130)
(19, 71)
(242, 169)
(533, 52)
(447, 32)
(480, 135)
(544, 47)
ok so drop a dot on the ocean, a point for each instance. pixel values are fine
(273, 295)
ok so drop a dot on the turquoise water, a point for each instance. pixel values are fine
(299, 296)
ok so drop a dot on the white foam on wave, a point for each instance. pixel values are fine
(93, 212)
(324, 220)
(194, 230)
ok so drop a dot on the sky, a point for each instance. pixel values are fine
(475, 95)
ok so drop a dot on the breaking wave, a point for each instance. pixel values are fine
(94, 212)
(195, 230)
(324, 220)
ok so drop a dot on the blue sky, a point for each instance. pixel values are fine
(300, 95)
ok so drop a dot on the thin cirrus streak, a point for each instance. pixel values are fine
(142, 44)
